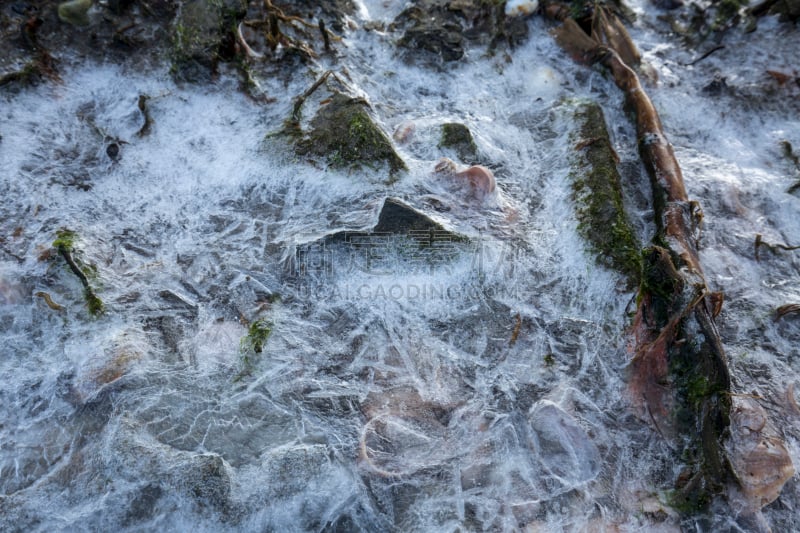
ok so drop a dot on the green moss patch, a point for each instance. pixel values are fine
(64, 244)
(252, 344)
(458, 137)
(344, 133)
(65, 240)
(598, 195)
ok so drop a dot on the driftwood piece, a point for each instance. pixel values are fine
(679, 373)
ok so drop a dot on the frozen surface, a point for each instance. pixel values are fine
(481, 392)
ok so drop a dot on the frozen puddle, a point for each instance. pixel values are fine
(480, 386)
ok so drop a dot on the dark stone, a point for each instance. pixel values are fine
(199, 33)
(443, 27)
(178, 301)
(442, 39)
(716, 87)
(112, 150)
(143, 505)
(170, 330)
(335, 10)
(23, 8)
(397, 217)
(118, 7)
(788, 9)
(458, 137)
(668, 4)
(206, 479)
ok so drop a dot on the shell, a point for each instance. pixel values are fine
(445, 166)
(758, 456)
(404, 132)
(480, 178)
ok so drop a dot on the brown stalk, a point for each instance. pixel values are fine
(674, 300)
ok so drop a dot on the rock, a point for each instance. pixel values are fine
(668, 4)
(716, 87)
(346, 135)
(458, 137)
(564, 448)
(143, 505)
(335, 10)
(440, 38)
(112, 150)
(787, 9)
(171, 330)
(119, 7)
(205, 478)
(442, 28)
(289, 467)
(198, 33)
(397, 217)
(75, 12)
(23, 75)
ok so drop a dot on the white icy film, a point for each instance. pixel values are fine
(389, 395)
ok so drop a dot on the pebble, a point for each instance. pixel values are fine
(75, 12)
(516, 8)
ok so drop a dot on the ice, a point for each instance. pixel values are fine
(482, 391)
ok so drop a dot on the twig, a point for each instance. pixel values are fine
(705, 55)
(772, 247)
(94, 303)
(49, 301)
(148, 121)
(784, 310)
(67, 255)
(515, 333)
(325, 37)
(298, 104)
(278, 13)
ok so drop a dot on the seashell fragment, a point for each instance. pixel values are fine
(758, 455)
(479, 178)
(404, 132)
(446, 167)
(242, 35)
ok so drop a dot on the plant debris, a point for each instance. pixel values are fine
(771, 247)
(787, 309)
(65, 246)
